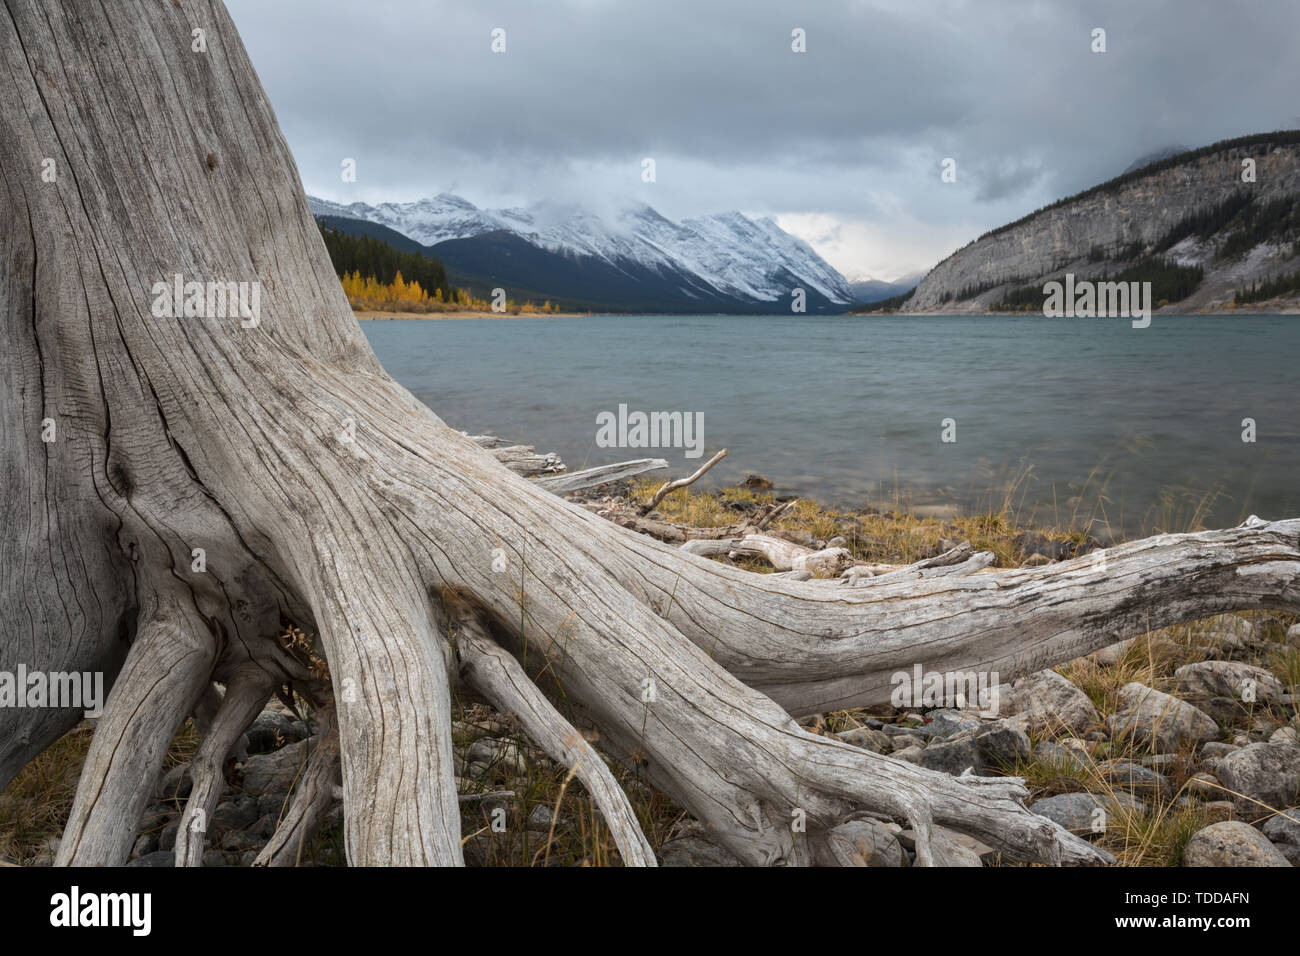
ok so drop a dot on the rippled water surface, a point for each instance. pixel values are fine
(1070, 418)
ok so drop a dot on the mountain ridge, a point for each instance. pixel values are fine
(719, 262)
(1190, 210)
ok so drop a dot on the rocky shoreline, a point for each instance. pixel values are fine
(1181, 747)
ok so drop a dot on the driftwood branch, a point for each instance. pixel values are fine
(672, 486)
(521, 459)
(601, 474)
(788, 556)
(676, 533)
(524, 460)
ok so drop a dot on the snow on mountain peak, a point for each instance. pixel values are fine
(744, 258)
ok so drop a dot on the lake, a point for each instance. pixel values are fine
(1066, 420)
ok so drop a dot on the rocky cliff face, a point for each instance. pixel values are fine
(1113, 226)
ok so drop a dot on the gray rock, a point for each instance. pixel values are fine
(500, 756)
(1266, 772)
(275, 803)
(949, 756)
(1164, 723)
(156, 817)
(691, 846)
(272, 730)
(236, 814)
(274, 772)
(1080, 748)
(910, 754)
(1054, 755)
(897, 730)
(1076, 812)
(1110, 656)
(906, 741)
(1231, 843)
(1118, 800)
(145, 843)
(1002, 745)
(157, 858)
(1135, 779)
(240, 841)
(1050, 704)
(1206, 680)
(867, 738)
(1205, 786)
(1161, 762)
(540, 818)
(175, 783)
(949, 847)
(167, 839)
(947, 722)
(1293, 635)
(1217, 748)
(1228, 633)
(1226, 711)
(988, 749)
(1284, 831)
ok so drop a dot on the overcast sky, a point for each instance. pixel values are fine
(843, 143)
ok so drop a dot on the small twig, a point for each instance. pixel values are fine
(775, 513)
(681, 482)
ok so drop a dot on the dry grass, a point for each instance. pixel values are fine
(579, 836)
(35, 805)
(895, 537)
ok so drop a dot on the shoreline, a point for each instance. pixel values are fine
(382, 316)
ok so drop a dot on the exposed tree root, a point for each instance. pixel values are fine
(166, 671)
(246, 694)
(496, 674)
(315, 792)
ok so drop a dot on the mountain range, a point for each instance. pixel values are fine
(633, 260)
(874, 290)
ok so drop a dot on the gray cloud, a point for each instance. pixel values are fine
(853, 130)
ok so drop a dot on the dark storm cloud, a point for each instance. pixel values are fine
(855, 129)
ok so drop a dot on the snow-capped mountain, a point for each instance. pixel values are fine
(427, 221)
(710, 261)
